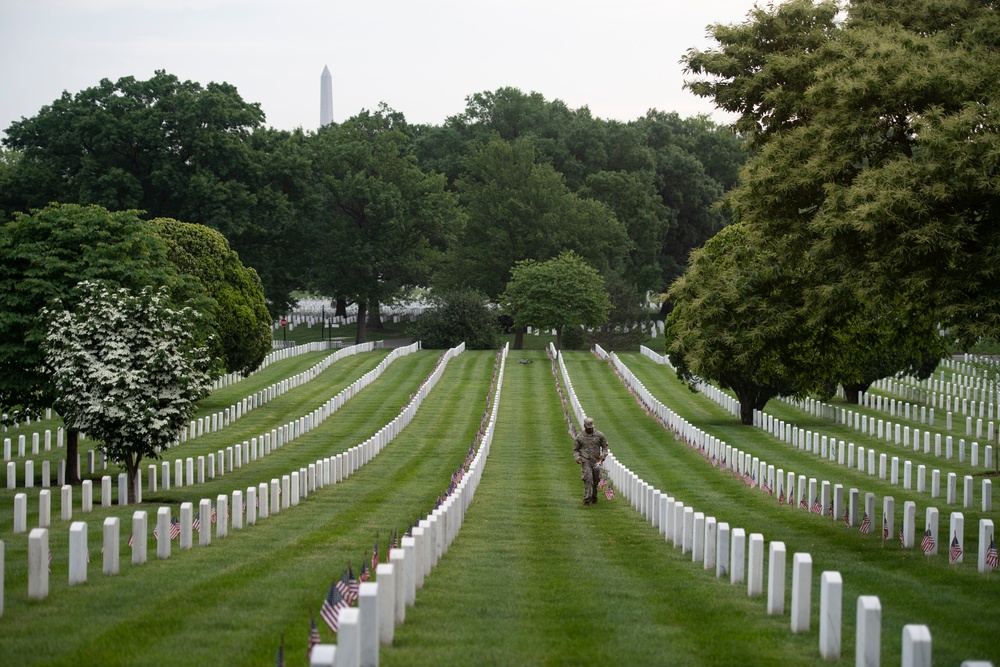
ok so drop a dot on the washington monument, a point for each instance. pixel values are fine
(325, 97)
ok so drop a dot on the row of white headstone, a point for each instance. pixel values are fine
(280, 494)
(829, 448)
(728, 552)
(232, 457)
(733, 554)
(382, 603)
(899, 433)
(826, 494)
(221, 419)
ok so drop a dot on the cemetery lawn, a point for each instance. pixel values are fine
(533, 577)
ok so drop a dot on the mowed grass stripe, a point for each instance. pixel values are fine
(912, 588)
(536, 578)
(229, 603)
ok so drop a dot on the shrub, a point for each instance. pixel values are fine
(462, 315)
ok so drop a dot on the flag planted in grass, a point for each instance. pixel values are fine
(992, 559)
(866, 524)
(314, 638)
(927, 544)
(336, 599)
(955, 552)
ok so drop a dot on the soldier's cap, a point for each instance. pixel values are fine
(588, 422)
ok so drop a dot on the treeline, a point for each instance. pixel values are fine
(366, 209)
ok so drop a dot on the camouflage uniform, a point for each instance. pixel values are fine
(589, 450)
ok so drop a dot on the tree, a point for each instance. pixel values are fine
(456, 317)
(560, 293)
(241, 321)
(521, 209)
(628, 320)
(738, 321)
(42, 257)
(876, 137)
(127, 369)
(172, 149)
(381, 223)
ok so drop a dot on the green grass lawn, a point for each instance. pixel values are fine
(534, 577)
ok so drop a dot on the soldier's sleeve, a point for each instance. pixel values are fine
(576, 446)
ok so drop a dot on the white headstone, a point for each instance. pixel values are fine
(916, 646)
(776, 578)
(755, 566)
(38, 564)
(737, 556)
(385, 574)
(112, 545)
(868, 635)
(801, 591)
(830, 608)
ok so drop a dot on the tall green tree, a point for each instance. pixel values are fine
(560, 293)
(521, 209)
(127, 369)
(42, 257)
(238, 314)
(381, 223)
(738, 321)
(170, 148)
(876, 142)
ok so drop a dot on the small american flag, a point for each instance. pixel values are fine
(175, 528)
(803, 504)
(375, 555)
(781, 497)
(817, 507)
(715, 461)
(130, 537)
(991, 554)
(365, 573)
(866, 524)
(332, 605)
(902, 538)
(955, 552)
(352, 586)
(885, 527)
(279, 660)
(196, 523)
(609, 492)
(847, 519)
(314, 637)
(927, 544)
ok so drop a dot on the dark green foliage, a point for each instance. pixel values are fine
(242, 323)
(628, 319)
(462, 315)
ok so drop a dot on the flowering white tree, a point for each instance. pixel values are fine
(127, 369)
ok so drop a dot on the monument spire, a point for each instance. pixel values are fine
(325, 97)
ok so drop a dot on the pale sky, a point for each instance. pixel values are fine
(620, 58)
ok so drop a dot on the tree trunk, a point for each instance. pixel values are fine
(72, 455)
(132, 470)
(362, 321)
(518, 338)
(559, 339)
(852, 392)
(374, 316)
(341, 308)
(751, 398)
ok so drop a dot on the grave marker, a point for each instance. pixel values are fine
(830, 608)
(868, 635)
(801, 591)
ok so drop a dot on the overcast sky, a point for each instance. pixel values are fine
(620, 58)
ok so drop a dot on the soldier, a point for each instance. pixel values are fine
(589, 450)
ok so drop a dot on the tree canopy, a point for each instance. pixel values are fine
(42, 257)
(127, 369)
(738, 321)
(380, 222)
(560, 293)
(876, 151)
(239, 316)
